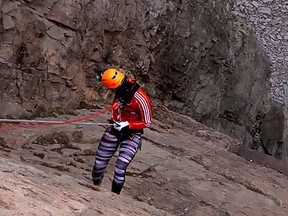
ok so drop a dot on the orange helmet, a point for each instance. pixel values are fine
(112, 78)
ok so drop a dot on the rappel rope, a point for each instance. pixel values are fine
(48, 122)
(34, 123)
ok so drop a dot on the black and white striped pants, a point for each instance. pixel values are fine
(128, 145)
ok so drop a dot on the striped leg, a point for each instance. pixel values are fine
(106, 149)
(128, 150)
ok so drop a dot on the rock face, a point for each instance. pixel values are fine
(273, 133)
(208, 70)
(197, 58)
(270, 21)
(47, 171)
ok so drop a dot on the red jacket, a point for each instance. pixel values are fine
(137, 112)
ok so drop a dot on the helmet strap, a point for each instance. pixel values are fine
(126, 91)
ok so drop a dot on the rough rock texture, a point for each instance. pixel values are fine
(272, 129)
(269, 17)
(196, 57)
(27, 190)
(47, 171)
(215, 78)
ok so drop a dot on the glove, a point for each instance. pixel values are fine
(115, 106)
(121, 125)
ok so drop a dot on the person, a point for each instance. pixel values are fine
(131, 113)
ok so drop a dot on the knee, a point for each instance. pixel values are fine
(121, 166)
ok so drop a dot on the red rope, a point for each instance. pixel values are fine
(11, 127)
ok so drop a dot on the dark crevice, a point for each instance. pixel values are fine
(62, 25)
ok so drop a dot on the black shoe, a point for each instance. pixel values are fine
(116, 187)
(96, 180)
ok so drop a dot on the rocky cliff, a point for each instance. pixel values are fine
(196, 58)
(47, 171)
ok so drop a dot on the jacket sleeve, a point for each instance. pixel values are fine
(114, 111)
(145, 112)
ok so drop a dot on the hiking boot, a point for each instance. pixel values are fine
(96, 179)
(116, 187)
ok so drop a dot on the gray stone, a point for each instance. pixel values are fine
(255, 4)
(8, 22)
(203, 59)
(8, 6)
(12, 110)
(272, 132)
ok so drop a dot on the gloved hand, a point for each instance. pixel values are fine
(115, 106)
(121, 125)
